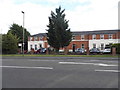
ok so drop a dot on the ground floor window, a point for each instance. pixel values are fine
(102, 46)
(94, 45)
(31, 47)
(82, 46)
(35, 47)
(40, 45)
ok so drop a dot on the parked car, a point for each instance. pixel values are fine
(80, 50)
(107, 50)
(95, 51)
(41, 50)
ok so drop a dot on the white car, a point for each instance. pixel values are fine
(107, 50)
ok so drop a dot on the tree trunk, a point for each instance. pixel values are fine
(65, 50)
(57, 50)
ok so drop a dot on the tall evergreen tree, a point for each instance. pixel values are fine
(59, 35)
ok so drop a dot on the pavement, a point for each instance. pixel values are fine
(59, 72)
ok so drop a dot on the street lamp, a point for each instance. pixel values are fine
(23, 30)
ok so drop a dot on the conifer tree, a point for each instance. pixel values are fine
(59, 35)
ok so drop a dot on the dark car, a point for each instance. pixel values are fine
(95, 51)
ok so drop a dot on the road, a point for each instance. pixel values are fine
(59, 72)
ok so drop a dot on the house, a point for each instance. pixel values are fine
(84, 39)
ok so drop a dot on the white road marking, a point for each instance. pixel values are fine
(101, 64)
(42, 60)
(74, 63)
(96, 64)
(107, 71)
(25, 67)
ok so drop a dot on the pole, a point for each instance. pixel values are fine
(23, 31)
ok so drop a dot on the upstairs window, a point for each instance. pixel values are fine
(102, 36)
(93, 37)
(31, 38)
(73, 37)
(36, 38)
(110, 36)
(41, 38)
(82, 37)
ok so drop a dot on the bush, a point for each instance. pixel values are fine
(9, 44)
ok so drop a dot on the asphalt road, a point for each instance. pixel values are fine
(59, 72)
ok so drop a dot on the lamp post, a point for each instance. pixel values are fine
(23, 30)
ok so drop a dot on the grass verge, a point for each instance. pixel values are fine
(37, 55)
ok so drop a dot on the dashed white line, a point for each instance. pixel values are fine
(96, 64)
(25, 67)
(43, 60)
(107, 71)
(74, 63)
(101, 64)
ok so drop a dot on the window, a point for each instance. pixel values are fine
(82, 46)
(110, 36)
(35, 47)
(31, 38)
(82, 37)
(102, 46)
(41, 37)
(94, 45)
(73, 37)
(40, 45)
(93, 36)
(102, 36)
(30, 46)
(36, 38)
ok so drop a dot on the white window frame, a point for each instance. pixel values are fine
(94, 44)
(36, 38)
(35, 46)
(83, 46)
(40, 45)
(82, 37)
(41, 37)
(31, 38)
(102, 46)
(102, 36)
(73, 37)
(94, 36)
(31, 46)
(110, 36)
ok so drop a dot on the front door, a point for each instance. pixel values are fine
(74, 47)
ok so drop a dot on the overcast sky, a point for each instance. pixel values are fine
(83, 15)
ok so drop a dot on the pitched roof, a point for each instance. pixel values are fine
(84, 32)
(96, 32)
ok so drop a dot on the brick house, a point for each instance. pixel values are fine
(85, 39)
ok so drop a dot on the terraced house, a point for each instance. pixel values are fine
(83, 39)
